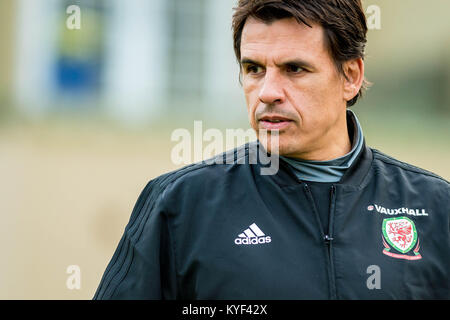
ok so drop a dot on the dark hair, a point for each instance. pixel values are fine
(343, 21)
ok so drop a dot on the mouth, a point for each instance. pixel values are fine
(274, 122)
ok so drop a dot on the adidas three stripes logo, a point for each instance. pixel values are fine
(252, 235)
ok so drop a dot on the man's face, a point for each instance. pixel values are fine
(292, 85)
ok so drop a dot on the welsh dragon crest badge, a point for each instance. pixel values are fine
(400, 234)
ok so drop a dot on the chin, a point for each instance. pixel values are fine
(282, 148)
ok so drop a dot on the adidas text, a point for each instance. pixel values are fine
(258, 240)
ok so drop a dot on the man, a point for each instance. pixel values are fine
(338, 220)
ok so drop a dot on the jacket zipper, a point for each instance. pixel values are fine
(329, 242)
(327, 238)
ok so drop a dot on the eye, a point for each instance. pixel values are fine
(292, 68)
(254, 69)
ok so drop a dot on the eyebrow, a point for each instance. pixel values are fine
(250, 61)
(295, 62)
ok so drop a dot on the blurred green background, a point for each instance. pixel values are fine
(86, 116)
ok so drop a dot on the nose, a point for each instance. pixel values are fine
(272, 90)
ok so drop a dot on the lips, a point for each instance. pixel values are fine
(274, 122)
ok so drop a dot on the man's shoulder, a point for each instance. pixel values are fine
(212, 170)
(391, 164)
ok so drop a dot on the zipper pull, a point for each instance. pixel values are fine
(328, 239)
(333, 189)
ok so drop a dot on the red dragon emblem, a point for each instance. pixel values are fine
(401, 234)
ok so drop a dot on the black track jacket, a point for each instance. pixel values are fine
(224, 231)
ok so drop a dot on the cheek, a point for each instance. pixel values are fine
(306, 101)
(252, 100)
(316, 99)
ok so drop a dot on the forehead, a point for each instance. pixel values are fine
(284, 38)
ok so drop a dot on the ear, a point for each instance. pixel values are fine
(354, 71)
